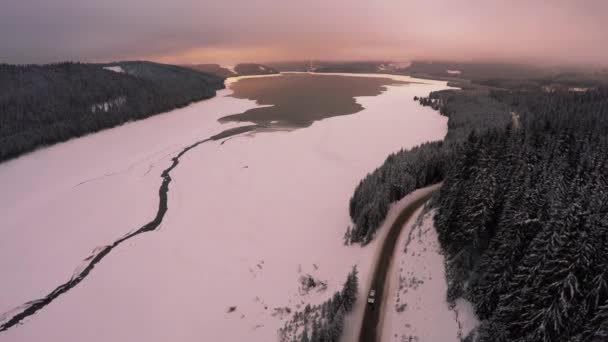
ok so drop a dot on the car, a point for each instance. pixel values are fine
(371, 299)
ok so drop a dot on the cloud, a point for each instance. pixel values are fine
(185, 31)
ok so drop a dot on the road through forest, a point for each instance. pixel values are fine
(373, 313)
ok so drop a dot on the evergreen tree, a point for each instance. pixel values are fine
(46, 104)
(349, 291)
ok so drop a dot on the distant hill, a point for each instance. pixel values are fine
(467, 75)
(45, 104)
(358, 67)
(475, 71)
(299, 66)
(341, 66)
(214, 69)
(245, 69)
(509, 75)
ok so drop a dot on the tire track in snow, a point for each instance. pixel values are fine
(15, 316)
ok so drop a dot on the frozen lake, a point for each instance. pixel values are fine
(247, 215)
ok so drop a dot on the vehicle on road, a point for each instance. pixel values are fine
(371, 299)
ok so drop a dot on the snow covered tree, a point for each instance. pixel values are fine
(349, 291)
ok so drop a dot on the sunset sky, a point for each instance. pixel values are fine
(230, 31)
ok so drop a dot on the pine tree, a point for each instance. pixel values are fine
(349, 290)
(305, 335)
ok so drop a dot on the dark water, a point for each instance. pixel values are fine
(300, 99)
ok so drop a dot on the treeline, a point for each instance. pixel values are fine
(46, 104)
(401, 173)
(407, 170)
(509, 76)
(469, 111)
(324, 322)
(523, 211)
(340, 66)
(523, 219)
(475, 71)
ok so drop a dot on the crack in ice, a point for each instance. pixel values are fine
(18, 314)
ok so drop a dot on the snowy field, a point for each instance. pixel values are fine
(416, 309)
(247, 218)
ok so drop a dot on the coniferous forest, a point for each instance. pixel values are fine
(522, 214)
(401, 173)
(523, 219)
(46, 104)
(408, 170)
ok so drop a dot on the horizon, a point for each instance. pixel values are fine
(555, 66)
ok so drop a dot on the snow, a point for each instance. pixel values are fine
(578, 89)
(61, 202)
(246, 219)
(230, 68)
(417, 309)
(515, 119)
(115, 68)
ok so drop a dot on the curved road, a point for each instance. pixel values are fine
(373, 313)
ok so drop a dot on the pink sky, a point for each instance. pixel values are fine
(230, 31)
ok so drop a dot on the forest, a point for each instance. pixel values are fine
(402, 173)
(522, 214)
(408, 170)
(523, 217)
(45, 104)
(508, 76)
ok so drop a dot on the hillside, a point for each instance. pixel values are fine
(360, 67)
(521, 215)
(46, 104)
(487, 75)
(522, 220)
(214, 69)
(245, 69)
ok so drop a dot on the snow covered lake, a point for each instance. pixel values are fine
(247, 217)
